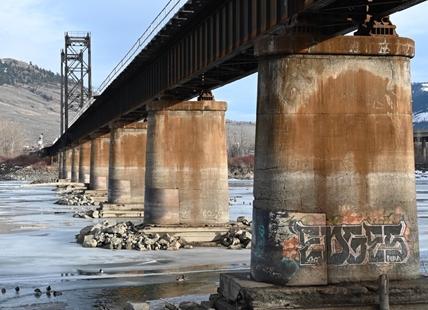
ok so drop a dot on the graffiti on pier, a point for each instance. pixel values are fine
(352, 244)
(286, 244)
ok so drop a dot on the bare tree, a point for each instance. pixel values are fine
(240, 141)
(12, 138)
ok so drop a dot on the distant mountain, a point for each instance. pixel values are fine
(30, 96)
(420, 105)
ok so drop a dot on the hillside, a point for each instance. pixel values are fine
(420, 105)
(30, 96)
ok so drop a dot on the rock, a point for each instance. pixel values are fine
(92, 243)
(83, 232)
(242, 218)
(208, 304)
(189, 305)
(244, 236)
(137, 306)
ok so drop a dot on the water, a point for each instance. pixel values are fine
(37, 249)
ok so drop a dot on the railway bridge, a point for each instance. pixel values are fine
(334, 188)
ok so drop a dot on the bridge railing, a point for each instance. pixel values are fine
(170, 9)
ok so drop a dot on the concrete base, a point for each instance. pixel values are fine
(97, 195)
(198, 235)
(238, 291)
(121, 210)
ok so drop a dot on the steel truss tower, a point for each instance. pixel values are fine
(75, 70)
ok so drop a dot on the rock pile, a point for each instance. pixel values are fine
(72, 196)
(127, 236)
(76, 200)
(239, 235)
(34, 174)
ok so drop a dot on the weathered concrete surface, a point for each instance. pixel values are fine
(61, 156)
(239, 290)
(334, 136)
(186, 176)
(190, 234)
(66, 166)
(100, 150)
(121, 210)
(127, 163)
(84, 161)
(75, 153)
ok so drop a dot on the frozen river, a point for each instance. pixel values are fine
(37, 249)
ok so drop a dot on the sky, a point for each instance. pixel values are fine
(33, 30)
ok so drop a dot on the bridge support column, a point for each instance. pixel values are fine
(66, 164)
(61, 165)
(186, 171)
(75, 153)
(334, 182)
(84, 160)
(127, 166)
(424, 147)
(100, 149)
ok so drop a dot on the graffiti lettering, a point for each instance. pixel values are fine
(311, 241)
(352, 244)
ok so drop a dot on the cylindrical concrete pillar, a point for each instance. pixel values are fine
(334, 182)
(66, 166)
(84, 160)
(75, 162)
(100, 150)
(61, 156)
(186, 170)
(127, 163)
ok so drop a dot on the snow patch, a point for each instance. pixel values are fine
(420, 117)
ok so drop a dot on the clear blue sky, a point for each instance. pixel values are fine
(33, 30)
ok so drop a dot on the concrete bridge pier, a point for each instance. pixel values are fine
(186, 169)
(75, 162)
(61, 156)
(127, 164)
(66, 164)
(334, 182)
(98, 176)
(84, 160)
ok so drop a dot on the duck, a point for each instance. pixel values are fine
(57, 293)
(101, 270)
(3, 290)
(182, 278)
(48, 289)
(17, 289)
(37, 291)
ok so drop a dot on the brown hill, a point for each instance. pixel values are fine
(31, 97)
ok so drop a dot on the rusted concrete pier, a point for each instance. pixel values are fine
(334, 182)
(84, 160)
(100, 150)
(66, 164)
(186, 170)
(127, 164)
(75, 153)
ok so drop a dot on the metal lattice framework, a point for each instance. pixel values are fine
(75, 70)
